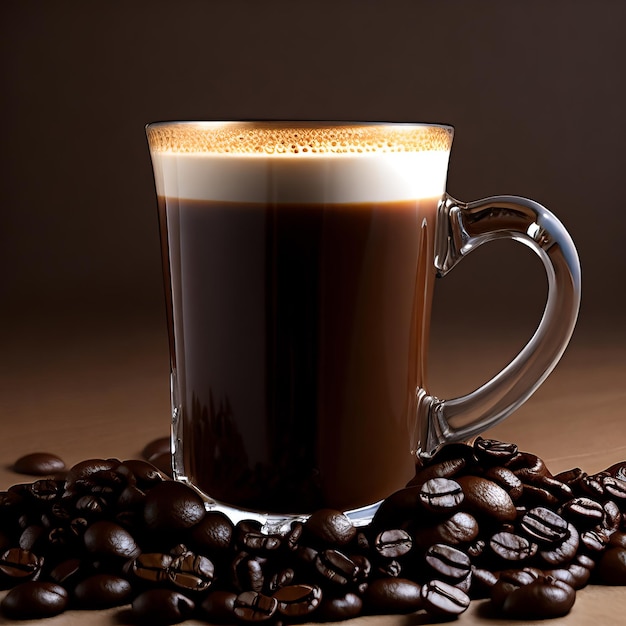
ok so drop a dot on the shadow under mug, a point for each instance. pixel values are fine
(299, 261)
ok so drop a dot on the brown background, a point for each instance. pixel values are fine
(535, 90)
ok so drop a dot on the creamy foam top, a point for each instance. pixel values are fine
(299, 162)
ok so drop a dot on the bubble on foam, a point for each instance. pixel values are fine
(306, 139)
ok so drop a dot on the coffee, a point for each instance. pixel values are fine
(299, 311)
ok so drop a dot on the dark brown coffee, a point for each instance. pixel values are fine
(298, 339)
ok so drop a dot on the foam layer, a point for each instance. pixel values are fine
(308, 163)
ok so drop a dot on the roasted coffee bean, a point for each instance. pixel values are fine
(144, 474)
(330, 527)
(443, 469)
(571, 477)
(492, 452)
(611, 568)
(593, 541)
(486, 499)
(247, 572)
(441, 495)
(563, 552)
(617, 540)
(68, 572)
(280, 579)
(79, 473)
(544, 526)
(512, 547)
(258, 542)
(219, 607)
(251, 606)
(34, 600)
(508, 581)
(46, 490)
(543, 598)
(441, 599)
(108, 540)
(39, 464)
(583, 512)
(390, 568)
(151, 567)
(592, 485)
(32, 537)
(172, 506)
(158, 607)
(364, 567)
(393, 543)
(458, 529)
(618, 470)
(507, 480)
(336, 567)
(567, 576)
(131, 498)
(292, 539)
(191, 572)
(20, 565)
(615, 488)
(213, 533)
(449, 563)
(393, 595)
(482, 582)
(538, 496)
(298, 600)
(339, 608)
(102, 591)
(90, 506)
(527, 466)
(398, 508)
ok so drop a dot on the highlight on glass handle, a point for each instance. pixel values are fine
(461, 228)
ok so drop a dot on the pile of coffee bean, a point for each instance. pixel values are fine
(477, 521)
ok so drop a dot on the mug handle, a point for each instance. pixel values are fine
(461, 228)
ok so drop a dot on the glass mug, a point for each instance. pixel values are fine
(300, 260)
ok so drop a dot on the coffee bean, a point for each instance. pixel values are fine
(339, 608)
(611, 567)
(544, 526)
(330, 526)
(441, 495)
(390, 568)
(449, 563)
(280, 579)
(251, 606)
(584, 512)
(617, 540)
(508, 581)
(486, 499)
(142, 473)
(593, 541)
(191, 572)
(34, 600)
(162, 445)
(393, 595)
(482, 582)
(543, 598)
(39, 464)
(172, 506)
(161, 607)
(443, 469)
(512, 547)
(441, 599)
(393, 543)
(571, 477)
(398, 508)
(219, 607)
(458, 529)
(492, 452)
(46, 490)
(109, 540)
(79, 473)
(213, 533)
(615, 488)
(618, 470)
(258, 542)
(102, 591)
(506, 479)
(151, 567)
(298, 600)
(336, 567)
(527, 466)
(563, 552)
(20, 565)
(568, 576)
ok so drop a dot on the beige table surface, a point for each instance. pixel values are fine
(100, 389)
